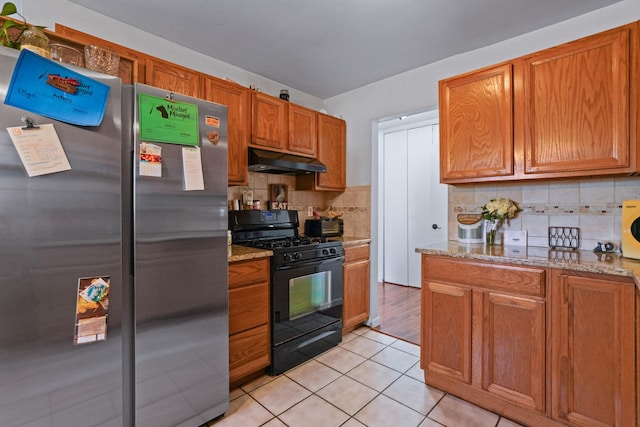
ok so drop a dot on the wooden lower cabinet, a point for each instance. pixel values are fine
(355, 279)
(544, 347)
(594, 373)
(249, 344)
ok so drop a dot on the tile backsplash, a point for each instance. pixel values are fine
(593, 205)
(354, 203)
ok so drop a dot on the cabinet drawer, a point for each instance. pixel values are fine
(249, 351)
(510, 278)
(247, 272)
(356, 253)
(248, 307)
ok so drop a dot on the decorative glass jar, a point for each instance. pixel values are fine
(36, 41)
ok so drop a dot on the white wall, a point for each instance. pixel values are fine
(417, 90)
(48, 12)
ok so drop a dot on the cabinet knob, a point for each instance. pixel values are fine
(435, 226)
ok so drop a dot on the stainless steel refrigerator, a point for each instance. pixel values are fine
(113, 273)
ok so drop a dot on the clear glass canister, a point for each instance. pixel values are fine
(36, 41)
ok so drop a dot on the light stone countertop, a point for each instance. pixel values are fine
(587, 261)
(243, 253)
(351, 240)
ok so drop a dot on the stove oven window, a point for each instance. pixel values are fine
(309, 294)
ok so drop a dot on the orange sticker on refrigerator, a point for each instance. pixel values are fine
(212, 121)
(92, 305)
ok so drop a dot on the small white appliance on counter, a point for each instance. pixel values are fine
(470, 228)
(631, 229)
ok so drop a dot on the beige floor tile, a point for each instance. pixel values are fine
(244, 411)
(313, 412)
(350, 336)
(347, 394)
(236, 393)
(416, 372)
(414, 394)
(273, 423)
(280, 394)
(353, 423)
(340, 359)
(364, 346)
(377, 336)
(374, 375)
(430, 423)
(361, 330)
(395, 359)
(313, 375)
(385, 412)
(407, 347)
(452, 411)
(507, 423)
(258, 382)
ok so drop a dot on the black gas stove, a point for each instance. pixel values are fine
(277, 230)
(306, 284)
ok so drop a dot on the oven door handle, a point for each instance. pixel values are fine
(311, 263)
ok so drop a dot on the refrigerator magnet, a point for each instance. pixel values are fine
(92, 305)
(150, 160)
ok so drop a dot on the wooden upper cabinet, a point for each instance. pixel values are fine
(269, 121)
(573, 111)
(567, 111)
(303, 136)
(172, 77)
(238, 102)
(476, 132)
(332, 151)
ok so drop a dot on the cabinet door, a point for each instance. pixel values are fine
(238, 101)
(249, 352)
(514, 349)
(332, 152)
(172, 77)
(355, 279)
(446, 333)
(575, 107)
(303, 137)
(593, 370)
(476, 131)
(269, 121)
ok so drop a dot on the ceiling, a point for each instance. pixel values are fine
(329, 47)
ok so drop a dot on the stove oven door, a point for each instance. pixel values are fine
(306, 311)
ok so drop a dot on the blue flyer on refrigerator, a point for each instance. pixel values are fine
(45, 87)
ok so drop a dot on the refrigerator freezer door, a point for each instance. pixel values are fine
(54, 230)
(181, 279)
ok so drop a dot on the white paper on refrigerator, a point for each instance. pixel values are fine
(39, 149)
(192, 165)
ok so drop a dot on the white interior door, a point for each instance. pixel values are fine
(427, 198)
(413, 200)
(395, 207)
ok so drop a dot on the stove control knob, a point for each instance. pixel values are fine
(333, 251)
(287, 257)
(297, 255)
(325, 252)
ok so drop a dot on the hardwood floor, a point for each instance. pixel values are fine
(399, 309)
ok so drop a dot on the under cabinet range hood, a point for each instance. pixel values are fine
(282, 163)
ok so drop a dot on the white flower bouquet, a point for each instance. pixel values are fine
(500, 209)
